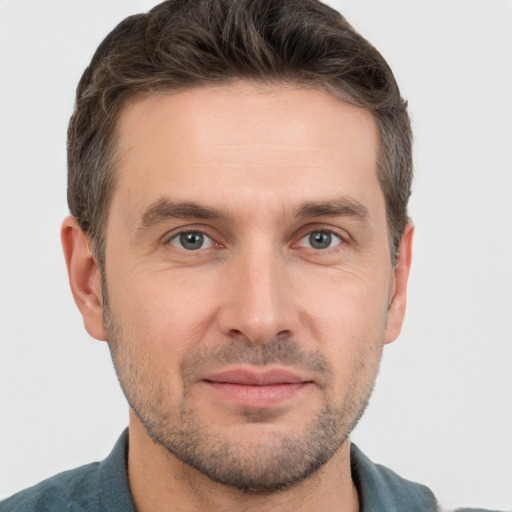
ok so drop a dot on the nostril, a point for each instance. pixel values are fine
(237, 335)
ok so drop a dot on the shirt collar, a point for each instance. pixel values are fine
(379, 489)
(382, 490)
(113, 479)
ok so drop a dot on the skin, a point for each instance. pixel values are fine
(264, 160)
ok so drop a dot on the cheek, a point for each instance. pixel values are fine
(163, 312)
(348, 319)
(348, 308)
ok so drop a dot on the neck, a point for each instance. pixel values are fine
(158, 479)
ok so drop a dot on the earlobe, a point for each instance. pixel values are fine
(84, 276)
(398, 298)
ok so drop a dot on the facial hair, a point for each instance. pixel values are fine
(256, 465)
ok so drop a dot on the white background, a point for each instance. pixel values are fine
(442, 410)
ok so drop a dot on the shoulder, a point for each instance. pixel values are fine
(90, 488)
(70, 491)
(382, 490)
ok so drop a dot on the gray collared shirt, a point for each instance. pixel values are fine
(103, 487)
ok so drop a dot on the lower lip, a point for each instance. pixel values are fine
(257, 396)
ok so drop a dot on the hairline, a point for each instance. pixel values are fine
(113, 158)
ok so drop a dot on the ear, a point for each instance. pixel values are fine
(84, 276)
(398, 298)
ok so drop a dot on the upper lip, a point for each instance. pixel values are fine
(249, 377)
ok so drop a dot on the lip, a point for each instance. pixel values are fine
(256, 378)
(257, 389)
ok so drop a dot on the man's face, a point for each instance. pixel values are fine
(248, 276)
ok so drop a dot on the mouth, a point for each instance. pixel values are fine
(257, 389)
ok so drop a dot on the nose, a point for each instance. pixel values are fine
(257, 300)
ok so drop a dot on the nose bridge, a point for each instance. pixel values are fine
(258, 303)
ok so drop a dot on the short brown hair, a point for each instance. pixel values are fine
(186, 43)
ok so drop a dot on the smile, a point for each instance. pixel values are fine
(256, 389)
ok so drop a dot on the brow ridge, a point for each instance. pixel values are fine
(164, 209)
(343, 207)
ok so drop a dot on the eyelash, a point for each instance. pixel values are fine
(330, 232)
(342, 240)
(177, 235)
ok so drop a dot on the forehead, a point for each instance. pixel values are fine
(257, 140)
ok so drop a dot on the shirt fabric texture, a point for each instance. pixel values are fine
(103, 487)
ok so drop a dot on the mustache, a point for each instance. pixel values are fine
(279, 350)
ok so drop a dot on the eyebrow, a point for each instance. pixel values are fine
(343, 207)
(164, 209)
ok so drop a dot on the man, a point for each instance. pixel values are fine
(238, 182)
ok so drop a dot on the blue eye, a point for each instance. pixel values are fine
(320, 239)
(191, 240)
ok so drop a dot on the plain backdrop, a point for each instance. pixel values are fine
(441, 413)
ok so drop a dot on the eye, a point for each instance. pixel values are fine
(191, 240)
(320, 239)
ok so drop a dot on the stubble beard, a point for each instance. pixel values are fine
(260, 465)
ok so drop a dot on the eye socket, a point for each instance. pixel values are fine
(320, 239)
(191, 240)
